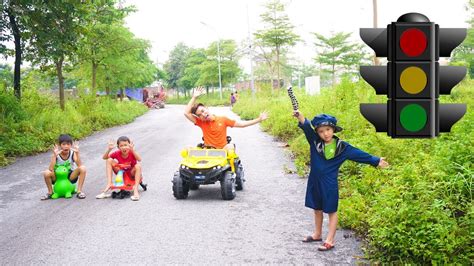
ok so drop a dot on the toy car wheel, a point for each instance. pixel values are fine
(194, 186)
(114, 194)
(239, 179)
(180, 187)
(228, 186)
(122, 194)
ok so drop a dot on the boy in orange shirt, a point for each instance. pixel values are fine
(214, 128)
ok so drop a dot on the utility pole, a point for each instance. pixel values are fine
(252, 82)
(374, 6)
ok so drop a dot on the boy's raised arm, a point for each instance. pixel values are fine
(298, 116)
(76, 158)
(110, 146)
(187, 111)
(56, 151)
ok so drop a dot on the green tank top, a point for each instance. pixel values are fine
(330, 150)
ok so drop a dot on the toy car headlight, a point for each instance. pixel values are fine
(184, 153)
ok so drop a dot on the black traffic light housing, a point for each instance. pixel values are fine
(412, 79)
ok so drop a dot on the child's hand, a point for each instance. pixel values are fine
(56, 150)
(132, 146)
(198, 92)
(296, 113)
(75, 146)
(111, 145)
(263, 116)
(383, 163)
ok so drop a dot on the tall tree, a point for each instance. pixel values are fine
(12, 18)
(55, 28)
(192, 69)
(277, 34)
(132, 69)
(464, 54)
(336, 53)
(230, 70)
(104, 35)
(176, 63)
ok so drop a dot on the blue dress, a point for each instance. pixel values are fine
(322, 191)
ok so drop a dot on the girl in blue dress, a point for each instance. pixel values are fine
(328, 153)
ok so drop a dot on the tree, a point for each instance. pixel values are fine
(176, 63)
(230, 70)
(54, 30)
(104, 36)
(5, 76)
(464, 54)
(12, 19)
(337, 53)
(276, 35)
(133, 69)
(192, 69)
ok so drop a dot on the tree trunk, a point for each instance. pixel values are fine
(278, 69)
(107, 91)
(59, 72)
(374, 5)
(94, 76)
(18, 52)
(121, 94)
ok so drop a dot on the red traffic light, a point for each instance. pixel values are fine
(413, 42)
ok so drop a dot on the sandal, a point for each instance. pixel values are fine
(325, 247)
(309, 239)
(46, 197)
(103, 195)
(135, 198)
(81, 195)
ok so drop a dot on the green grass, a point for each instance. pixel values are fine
(34, 125)
(420, 210)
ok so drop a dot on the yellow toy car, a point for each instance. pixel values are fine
(207, 166)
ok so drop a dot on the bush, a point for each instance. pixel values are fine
(420, 210)
(35, 124)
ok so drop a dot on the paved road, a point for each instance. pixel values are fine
(263, 224)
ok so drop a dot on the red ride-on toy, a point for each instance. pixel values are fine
(124, 182)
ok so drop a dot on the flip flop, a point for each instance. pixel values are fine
(135, 198)
(46, 197)
(81, 195)
(325, 247)
(309, 239)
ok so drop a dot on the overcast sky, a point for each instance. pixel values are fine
(166, 22)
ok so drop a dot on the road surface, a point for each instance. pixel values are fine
(263, 224)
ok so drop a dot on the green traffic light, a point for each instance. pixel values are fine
(413, 117)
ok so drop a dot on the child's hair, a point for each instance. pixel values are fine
(64, 138)
(123, 138)
(195, 107)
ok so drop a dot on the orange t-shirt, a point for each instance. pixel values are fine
(215, 131)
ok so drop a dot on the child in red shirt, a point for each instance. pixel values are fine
(125, 154)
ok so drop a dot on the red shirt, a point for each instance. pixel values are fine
(130, 159)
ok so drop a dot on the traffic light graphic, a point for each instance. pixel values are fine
(412, 78)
